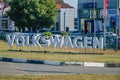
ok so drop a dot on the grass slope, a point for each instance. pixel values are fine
(109, 55)
(62, 77)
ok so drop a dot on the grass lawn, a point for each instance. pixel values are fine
(109, 55)
(62, 77)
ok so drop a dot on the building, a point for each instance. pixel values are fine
(5, 23)
(67, 17)
(90, 16)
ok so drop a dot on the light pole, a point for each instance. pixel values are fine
(119, 18)
(94, 20)
(105, 15)
(64, 21)
(117, 24)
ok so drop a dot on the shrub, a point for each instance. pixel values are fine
(64, 33)
(47, 34)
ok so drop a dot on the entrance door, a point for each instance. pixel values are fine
(89, 26)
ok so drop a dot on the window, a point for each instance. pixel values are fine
(75, 23)
(75, 27)
(84, 13)
(98, 14)
(75, 19)
(4, 24)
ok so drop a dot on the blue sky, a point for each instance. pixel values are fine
(72, 2)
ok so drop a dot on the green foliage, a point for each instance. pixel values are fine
(64, 33)
(7, 0)
(33, 14)
(47, 34)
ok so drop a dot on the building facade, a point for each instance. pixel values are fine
(90, 16)
(67, 17)
(66, 20)
(5, 23)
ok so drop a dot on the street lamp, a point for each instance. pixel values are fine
(94, 19)
(64, 21)
(117, 25)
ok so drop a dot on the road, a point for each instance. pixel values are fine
(9, 68)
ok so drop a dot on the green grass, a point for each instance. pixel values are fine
(62, 77)
(109, 55)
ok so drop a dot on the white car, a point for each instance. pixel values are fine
(110, 34)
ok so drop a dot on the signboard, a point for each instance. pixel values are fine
(55, 41)
(111, 18)
(91, 5)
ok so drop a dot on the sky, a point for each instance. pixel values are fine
(72, 2)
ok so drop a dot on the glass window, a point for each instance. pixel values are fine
(4, 24)
(92, 14)
(98, 14)
(85, 13)
(75, 19)
(75, 23)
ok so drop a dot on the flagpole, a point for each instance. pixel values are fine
(104, 16)
(118, 18)
(117, 24)
(94, 21)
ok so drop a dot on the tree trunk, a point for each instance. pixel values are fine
(29, 28)
(34, 29)
(19, 29)
(23, 29)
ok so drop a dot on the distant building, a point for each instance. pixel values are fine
(67, 17)
(86, 16)
(5, 22)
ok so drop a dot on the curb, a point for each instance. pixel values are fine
(112, 65)
(59, 63)
(93, 64)
(19, 60)
(74, 63)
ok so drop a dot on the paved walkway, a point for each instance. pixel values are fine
(10, 68)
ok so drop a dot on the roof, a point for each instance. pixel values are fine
(57, 1)
(1, 1)
(61, 4)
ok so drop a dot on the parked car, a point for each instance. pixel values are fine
(118, 39)
(110, 34)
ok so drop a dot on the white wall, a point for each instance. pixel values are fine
(70, 14)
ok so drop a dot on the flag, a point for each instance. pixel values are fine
(106, 7)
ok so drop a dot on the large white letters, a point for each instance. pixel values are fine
(20, 41)
(77, 42)
(35, 40)
(68, 42)
(10, 39)
(97, 43)
(45, 41)
(87, 42)
(55, 41)
(28, 42)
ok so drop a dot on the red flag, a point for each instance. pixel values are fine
(105, 7)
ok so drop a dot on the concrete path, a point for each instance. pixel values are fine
(10, 68)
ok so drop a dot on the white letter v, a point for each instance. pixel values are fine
(10, 39)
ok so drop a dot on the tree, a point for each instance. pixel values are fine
(33, 14)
